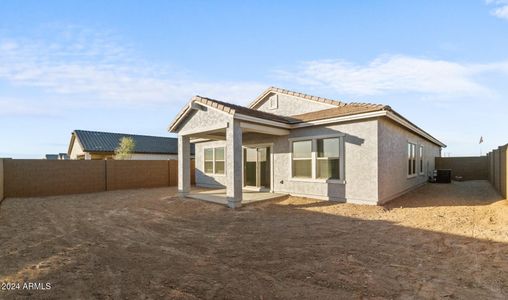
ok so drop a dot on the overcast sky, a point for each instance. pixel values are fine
(130, 66)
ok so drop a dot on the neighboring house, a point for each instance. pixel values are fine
(98, 145)
(288, 142)
(59, 156)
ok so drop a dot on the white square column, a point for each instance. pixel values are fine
(184, 180)
(234, 166)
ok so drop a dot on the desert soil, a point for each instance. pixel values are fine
(440, 241)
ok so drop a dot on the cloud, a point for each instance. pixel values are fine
(394, 74)
(94, 66)
(501, 11)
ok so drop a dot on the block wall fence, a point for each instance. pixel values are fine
(498, 165)
(37, 178)
(469, 168)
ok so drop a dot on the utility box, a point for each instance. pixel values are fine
(443, 176)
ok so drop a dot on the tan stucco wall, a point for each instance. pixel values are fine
(76, 150)
(393, 179)
(291, 105)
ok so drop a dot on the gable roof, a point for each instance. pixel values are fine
(277, 90)
(230, 109)
(98, 141)
(340, 112)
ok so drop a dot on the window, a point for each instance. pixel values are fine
(214, 160)
(209, 160)
(411, 159)
(219, 160)
(302, 159)
(420, 156)
(328, 161)
(318, 159)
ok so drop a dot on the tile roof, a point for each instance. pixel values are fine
(233, 108)
(273, 89)
(340, 111)
(97, 141)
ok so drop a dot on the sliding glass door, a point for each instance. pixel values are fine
(257, 167)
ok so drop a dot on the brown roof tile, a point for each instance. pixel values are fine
(340, 111)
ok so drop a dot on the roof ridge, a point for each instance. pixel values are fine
(368, 104)
(295, 94)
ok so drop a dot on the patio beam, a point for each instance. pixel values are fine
(264, 129)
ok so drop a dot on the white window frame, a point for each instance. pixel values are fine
(411, 170)
(327, 158)
(214, 160)
(314, 139)
(421, 161)
(312, 175)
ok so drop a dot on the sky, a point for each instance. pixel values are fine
(130, 66)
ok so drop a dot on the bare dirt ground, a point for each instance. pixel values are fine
(440, 241)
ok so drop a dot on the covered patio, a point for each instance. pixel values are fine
(205, 120)
(219, 196)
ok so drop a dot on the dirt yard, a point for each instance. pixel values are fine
(440, 241)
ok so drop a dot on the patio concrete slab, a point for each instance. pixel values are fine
(219, 196)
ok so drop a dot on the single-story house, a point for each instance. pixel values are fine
(98, 145)
(303, 145)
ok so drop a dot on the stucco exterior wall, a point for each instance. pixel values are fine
(76, 150)
(204, 120)
(203, 179)
(291, 105)
(361, 167)
(393, 160)
(360, 164)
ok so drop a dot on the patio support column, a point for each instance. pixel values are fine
(183, 165)
(234, 165)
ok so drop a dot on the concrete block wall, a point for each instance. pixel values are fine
(469, 168)
(1, 179)
(498, 166)
(38, 178)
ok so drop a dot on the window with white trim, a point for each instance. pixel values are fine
(302, 159)
(328, 158)
(219, 160)
(318, 158)
(420, 156)
(411, 159)
(214, 160)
